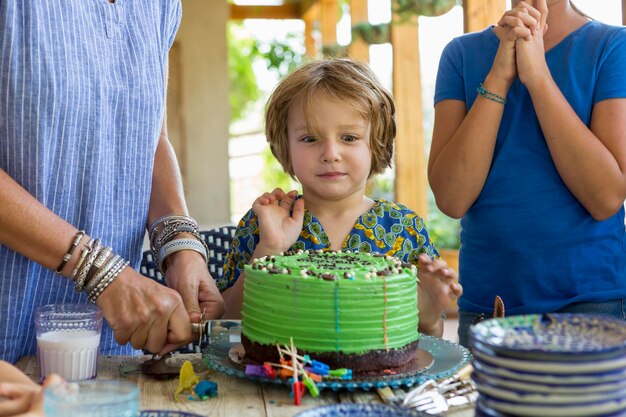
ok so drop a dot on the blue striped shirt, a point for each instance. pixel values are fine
(82, 88)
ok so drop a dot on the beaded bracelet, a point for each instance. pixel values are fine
(489, 95)
(111, 276)
(68, 255)
(96, 278)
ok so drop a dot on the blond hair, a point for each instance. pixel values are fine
(339, 78)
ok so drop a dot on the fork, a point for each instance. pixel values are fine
(434, 401)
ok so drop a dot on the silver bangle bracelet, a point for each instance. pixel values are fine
(177, 245)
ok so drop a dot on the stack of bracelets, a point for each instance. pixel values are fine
(96, 269)
(163, 244)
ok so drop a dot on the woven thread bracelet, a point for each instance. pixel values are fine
(489, 95)
(68, 255)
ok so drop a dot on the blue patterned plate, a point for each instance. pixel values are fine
(538, 382)
(489, 357)
(361, 410)
(167, 413)
(601, 408)
(566, 337)
(447, 357)
(522, 396)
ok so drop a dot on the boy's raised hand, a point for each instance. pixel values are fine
(438, 287)
(280, 221)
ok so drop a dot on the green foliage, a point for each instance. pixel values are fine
(407, 8)
(443, 230)
(371, 34)
(273, 174)
(244, 90)
(280, 55)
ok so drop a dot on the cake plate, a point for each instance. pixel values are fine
(447, 358)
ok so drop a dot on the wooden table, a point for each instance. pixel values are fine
(236, 397)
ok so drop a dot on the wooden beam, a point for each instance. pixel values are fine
(358, 49)
(624, 12)
(407, 90)
(479, 14)
(285, 11)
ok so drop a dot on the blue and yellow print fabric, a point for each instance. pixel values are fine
(388, 228)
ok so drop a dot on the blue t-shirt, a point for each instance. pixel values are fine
(527, 238)
(82, 91)
(389, 228)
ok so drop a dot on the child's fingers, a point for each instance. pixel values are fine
(279, 194)
(456, 289)
(20, 398)
(298, 211)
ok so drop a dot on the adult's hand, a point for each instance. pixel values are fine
(145, 313)
(280, 224)
(187, 273)
(530, 53)
(521, 22)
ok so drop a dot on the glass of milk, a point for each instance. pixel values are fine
(96, 398)
(68, 338)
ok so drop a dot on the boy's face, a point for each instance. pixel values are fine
(333, 162)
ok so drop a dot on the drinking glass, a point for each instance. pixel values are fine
(96, 398)
(68, 338)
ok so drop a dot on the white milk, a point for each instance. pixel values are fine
(72, 354)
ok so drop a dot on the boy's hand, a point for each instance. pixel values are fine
(280, 221)
(18, 399)
(438, 287)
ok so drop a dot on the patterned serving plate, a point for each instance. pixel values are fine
(494, 390)
(600, 408)
(167, 413)
(555, 337)
(483, 410)
(361, 410)
(487, 356)
(447, 357)
(542, 383)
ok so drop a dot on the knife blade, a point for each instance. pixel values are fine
(217, 327)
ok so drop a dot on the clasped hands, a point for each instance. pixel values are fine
(522, 52)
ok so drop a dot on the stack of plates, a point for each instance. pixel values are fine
(550, 365)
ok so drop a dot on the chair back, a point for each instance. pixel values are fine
(217, 239)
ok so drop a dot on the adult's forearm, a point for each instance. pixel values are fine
(588, 163)
(30, 228)
(463, 146)
(167, 196)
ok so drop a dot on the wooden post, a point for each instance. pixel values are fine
(329, 15)
(624, 12)
(311, 16)
(358, 49)
(407, 90)
(479, 14)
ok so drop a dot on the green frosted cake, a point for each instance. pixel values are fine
(352, 310)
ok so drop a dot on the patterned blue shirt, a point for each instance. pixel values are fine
(388, 228)
(81, 107)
